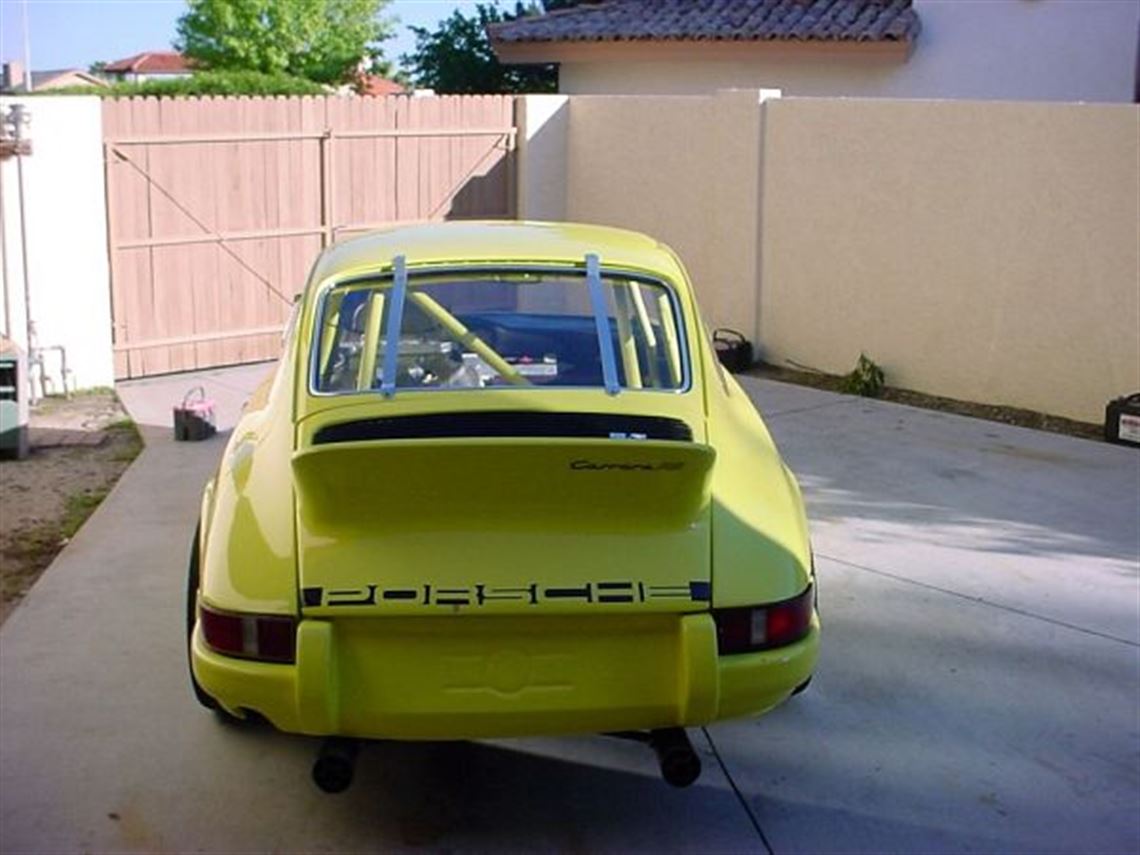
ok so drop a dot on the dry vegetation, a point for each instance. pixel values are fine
(49, 495)
(990, 412)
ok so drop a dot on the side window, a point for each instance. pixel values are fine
(646, 336)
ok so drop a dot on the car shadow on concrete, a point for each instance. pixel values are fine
(583, 793)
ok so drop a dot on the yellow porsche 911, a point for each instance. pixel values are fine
(498, 485)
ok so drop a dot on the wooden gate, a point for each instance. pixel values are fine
(218, 206)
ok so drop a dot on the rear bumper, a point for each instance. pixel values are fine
(416, 679)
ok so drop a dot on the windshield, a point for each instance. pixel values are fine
(488, 329)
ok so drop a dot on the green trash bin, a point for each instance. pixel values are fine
(13, 401)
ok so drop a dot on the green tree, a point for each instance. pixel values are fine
(456, 57)
(321, 40)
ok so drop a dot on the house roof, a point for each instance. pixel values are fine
(374, 84)
(717, 21)
(151, 62)
(41, 80)
(44, 79)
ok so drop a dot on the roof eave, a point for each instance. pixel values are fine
(648, 50)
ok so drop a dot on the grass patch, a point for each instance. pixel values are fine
(26, 554)
(38, 544)
(29, 551)
(33, 544)
(77, 509)
(90, 392)
(124, 435)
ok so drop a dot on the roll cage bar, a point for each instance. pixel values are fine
(400, 295)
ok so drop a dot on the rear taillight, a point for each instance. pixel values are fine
(764, 627)
(268, 638)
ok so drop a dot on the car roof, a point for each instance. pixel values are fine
(505, 241)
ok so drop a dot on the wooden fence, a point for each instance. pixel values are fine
(218, 206)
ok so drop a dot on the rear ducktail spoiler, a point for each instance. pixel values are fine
(501, 483)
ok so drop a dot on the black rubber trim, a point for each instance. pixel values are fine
(508, 423)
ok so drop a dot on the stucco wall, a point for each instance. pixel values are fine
(1050, 50)
(66, 232)
(975, 250)
(978, 250)
(543, 127)
(684, 170)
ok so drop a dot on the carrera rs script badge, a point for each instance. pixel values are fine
(592, 466)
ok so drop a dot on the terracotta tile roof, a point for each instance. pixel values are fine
(718, 20)
(151, 62)
(374, 84)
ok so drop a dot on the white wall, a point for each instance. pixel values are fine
(1035, 50)
(66, 233)
(543, 128)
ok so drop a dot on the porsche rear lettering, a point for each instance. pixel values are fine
(534, 594)
(353, 597)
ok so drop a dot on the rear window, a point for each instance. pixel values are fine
(474, 331)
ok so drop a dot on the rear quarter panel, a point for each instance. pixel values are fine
(761, 550)
(247, 547)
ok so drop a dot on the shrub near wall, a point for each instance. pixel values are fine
(203, 83)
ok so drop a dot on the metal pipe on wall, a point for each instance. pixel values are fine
(18, 118)
(64, 371)
(4, 261)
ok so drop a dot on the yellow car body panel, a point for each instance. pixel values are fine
(487, 586)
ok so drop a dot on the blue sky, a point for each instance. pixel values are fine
(76, 33)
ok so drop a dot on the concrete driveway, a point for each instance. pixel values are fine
(978, 689)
